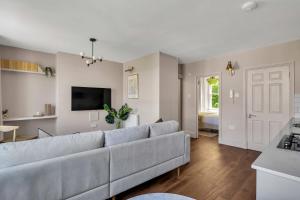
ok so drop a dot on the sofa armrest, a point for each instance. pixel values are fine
(187, 148)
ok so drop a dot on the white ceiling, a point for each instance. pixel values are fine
(188, 29)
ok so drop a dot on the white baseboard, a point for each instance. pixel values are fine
(191, 133)
(234, 143)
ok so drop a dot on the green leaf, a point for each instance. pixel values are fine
(106, 108)
(113, 115)
(110, 119)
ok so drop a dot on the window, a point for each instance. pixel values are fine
(213, 96)
(210, 94)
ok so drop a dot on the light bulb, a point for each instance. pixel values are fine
(87, 61)
(94, 57)
(81, 54)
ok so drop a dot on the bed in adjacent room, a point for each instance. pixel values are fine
(208, 121)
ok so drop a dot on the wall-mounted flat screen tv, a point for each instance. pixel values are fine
(87, 98)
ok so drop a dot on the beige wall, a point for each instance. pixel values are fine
(158, 87)
(72, 71)
(1, 135)
(24, 94)
(168, 87)
(232, 114)
(147, 105)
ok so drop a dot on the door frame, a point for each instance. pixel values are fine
(291, 65)
(220, 102)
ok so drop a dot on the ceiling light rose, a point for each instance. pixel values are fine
(249, 6)
(93, 59)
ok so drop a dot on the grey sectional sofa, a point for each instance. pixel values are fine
(93, 165)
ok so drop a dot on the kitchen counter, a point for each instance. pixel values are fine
(278, 170)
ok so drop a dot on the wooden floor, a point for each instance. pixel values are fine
(216, 172)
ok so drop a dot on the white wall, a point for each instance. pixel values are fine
(1, 135)
(72, 71)
(147, 105)
(168, 87)
(25, 94)
(232, 114)
(158, 87)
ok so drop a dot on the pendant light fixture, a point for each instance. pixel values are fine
(91, 60)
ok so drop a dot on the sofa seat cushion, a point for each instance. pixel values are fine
(162, 128)
(119, 136)
(17, 153)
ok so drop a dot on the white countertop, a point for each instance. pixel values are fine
(280, 162)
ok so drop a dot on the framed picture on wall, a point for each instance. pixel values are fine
(133, 86)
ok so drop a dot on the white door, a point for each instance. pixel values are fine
(267, 104)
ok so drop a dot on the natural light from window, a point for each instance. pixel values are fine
(210, 94)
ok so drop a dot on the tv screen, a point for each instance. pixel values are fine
(86, 98)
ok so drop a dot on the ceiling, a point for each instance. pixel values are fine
(188, 29)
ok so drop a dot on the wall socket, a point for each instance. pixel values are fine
(231, 127)
(93, 125)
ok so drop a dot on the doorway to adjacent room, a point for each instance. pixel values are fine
(208, 105)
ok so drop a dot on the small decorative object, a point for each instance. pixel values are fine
(49, 109)
(52, 110)
(38, 114)
(5, 114)
(114, 117)
(91, 60)
(129, 69)
(133, 86)
(230, 68)
(49, 72)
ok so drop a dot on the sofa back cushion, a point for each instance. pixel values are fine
(129, 158)
(119, 136)
(58, 178)
(162, 128)
(17, 153)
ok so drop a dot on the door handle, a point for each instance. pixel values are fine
(251, 115)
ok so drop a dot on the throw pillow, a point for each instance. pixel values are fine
(162, 128)
(119, 136)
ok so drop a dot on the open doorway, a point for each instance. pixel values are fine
(208, 105)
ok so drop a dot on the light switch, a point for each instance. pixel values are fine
(94, 116)
(231, 93)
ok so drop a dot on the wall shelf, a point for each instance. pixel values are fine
(22, 71)
(29, 118)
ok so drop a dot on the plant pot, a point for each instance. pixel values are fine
(118, 124)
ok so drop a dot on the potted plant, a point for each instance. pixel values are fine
(114, 117)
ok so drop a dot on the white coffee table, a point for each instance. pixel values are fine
(161, 196)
